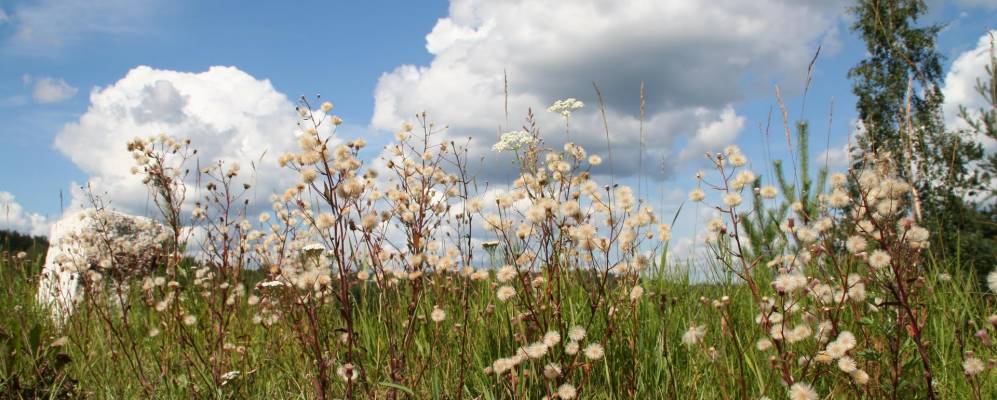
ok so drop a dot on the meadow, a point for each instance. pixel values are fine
(397, 278)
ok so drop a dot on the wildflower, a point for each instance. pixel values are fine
(745, 177)
(325, 220)
(636, 293)
(506, 273)
(189, 320)
(552, 338)
(732, 199)
(347, 372)
(738, 160)
(552, 371)
(802, 391)
(847, 339)
(505, 293)
(855, 244)
(694, 335)
(973, 366)
(565, 106)
(229, 376)
(879, 259)
(512, 141)
(576, 333)
(153, 332)
(326, 107)
(566, 391)
(847, 365)
(763, 344)
(664, 232)
(860, 377)
(571, 348)
(769, 192)
(308, 175)
(536, 350)
(697, 195)
(992, 280)
(594, 351)
(438, 315)
(836, 349)
(838, 199)
(791, 282)
(838, 179)
(798, 333)
(595, 160)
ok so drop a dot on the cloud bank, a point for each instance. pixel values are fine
(693, 57)
(13, 217)
(228, 114)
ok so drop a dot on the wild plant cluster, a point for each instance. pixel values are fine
(399, 278)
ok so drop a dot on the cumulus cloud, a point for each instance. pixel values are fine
(693, 57)
(47, 24)
(228, 114)
(959, 87)
(13, 217)
(52, 90)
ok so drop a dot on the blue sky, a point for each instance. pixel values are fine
(338, 49)
(709, 83)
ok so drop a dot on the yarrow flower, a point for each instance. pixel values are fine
(512, 141)
(565, 106)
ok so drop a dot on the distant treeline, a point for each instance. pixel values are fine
(15, 241)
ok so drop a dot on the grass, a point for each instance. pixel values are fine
(648, 362)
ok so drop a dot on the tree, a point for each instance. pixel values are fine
(899, 105)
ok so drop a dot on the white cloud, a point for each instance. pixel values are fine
(835, 157)
(3, 16)
(692, 56)
(228, 114)
(52, 90)
(50, 24)
(14, 217)
(959, 87)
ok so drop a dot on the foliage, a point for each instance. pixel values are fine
(899, 105)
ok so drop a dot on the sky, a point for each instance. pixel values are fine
(78, 79)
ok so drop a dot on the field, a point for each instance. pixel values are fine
(378, 285)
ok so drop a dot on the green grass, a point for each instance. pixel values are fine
(645, 358)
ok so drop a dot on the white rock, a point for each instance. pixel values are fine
(79, 243)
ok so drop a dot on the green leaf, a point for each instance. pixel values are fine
(398, 387)
(35, 338)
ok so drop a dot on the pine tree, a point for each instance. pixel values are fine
(801, 191)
